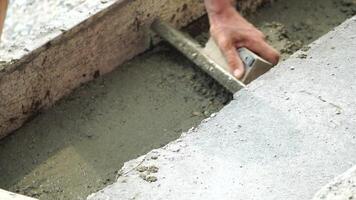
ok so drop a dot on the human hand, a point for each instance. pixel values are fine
(231, 31)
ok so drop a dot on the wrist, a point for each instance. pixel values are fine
(224, 14)
(217, 7)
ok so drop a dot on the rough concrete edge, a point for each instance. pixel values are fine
(342, 187)
(5, 195)
(134, 164)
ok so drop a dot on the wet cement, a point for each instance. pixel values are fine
(291, 25)
(75, 148)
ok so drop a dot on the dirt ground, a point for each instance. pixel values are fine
(75, 148)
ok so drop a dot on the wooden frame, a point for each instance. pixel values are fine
(3, 8)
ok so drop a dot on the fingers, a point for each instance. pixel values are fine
(263, 49)
(233, 59)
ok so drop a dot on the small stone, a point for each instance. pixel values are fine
(154, 157)
(150, 179)
(302, 56)
(206, 113)
(292, 68)
(305, 48)
(152, 169)
(196, 113)
(141, 168)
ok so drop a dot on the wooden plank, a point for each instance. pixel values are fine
(3, 8)
(5, 195)
(35, 80)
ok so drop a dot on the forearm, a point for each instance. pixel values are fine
(220, 9)
(217, 6)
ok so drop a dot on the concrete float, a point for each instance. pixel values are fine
(283, 137)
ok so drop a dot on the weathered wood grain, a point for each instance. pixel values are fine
(3, 8)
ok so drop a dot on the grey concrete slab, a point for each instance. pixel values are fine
(284, 137)
(342, 188)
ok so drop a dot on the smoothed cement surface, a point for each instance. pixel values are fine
(76, 148)
(284, 137)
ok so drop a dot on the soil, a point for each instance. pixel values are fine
(75, 148)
